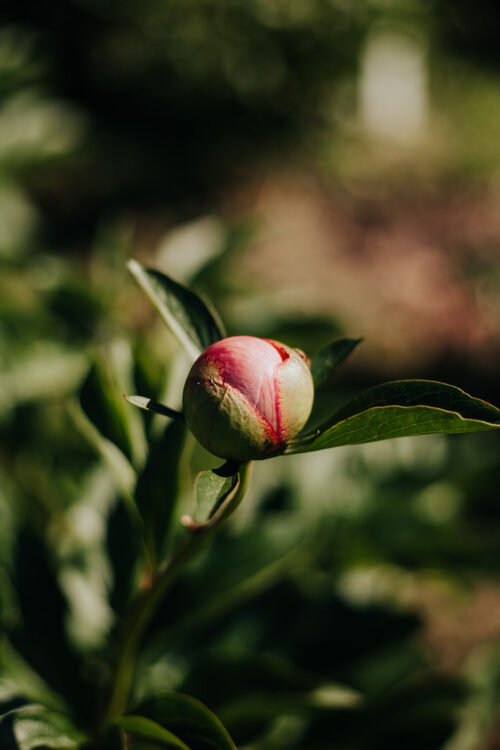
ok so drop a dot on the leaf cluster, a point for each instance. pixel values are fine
(243, 646)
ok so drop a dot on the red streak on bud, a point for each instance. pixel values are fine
(249, 365)
(262, 380)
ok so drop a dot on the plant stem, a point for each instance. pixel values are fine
(147, 603)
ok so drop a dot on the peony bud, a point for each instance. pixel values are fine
(245, 397)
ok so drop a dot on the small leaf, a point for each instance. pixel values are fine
(34, 726)
(143, 402)
(140, 726)
(212, 490)
(158, 487)
(191, 320)
(326, 361)
(189, 720)
(401, 409)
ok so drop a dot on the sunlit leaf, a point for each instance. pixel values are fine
(33, 726)
(401, 409)
(191, 320)
(189, 720)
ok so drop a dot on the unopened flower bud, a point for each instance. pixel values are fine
(246, 398)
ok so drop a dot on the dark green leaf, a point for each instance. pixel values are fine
(40, 634)
(33, 727)
(263, 673)
(140, 726)
(123, 547)
(241, 566)
(212, 490)
(113, 738)
(143, 402)
(189, 720)
(271, 686)
(401, 409)
(261, 706)
(326, 361)
(118, 464)
(191, 320)
(158, 487)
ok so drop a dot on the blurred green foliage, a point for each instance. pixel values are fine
(119, 110)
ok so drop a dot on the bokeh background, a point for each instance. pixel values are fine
(315, 168)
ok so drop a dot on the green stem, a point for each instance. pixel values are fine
(147, 603)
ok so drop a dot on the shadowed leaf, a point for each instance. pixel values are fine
(213, 489)
(123, 547)
(189, 720)
(326, 361)
(158, 487)
(101, 400)
(40, 635)
(140, 726)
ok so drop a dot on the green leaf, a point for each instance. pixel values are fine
(188, 719)
(271, 686)
(158, 487)
(326, 361)
(191, 320)
(241, 567)
(113, 738)
(261, 706)
(213, 489)
(101, 399)
(143, 402)
(140, 726)
(33, 726)
(40, 634)
(401, 409)
(123, 546)
(119, 466)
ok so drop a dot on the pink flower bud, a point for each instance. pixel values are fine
(246, 398)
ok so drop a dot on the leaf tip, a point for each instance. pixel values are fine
(133, 266)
